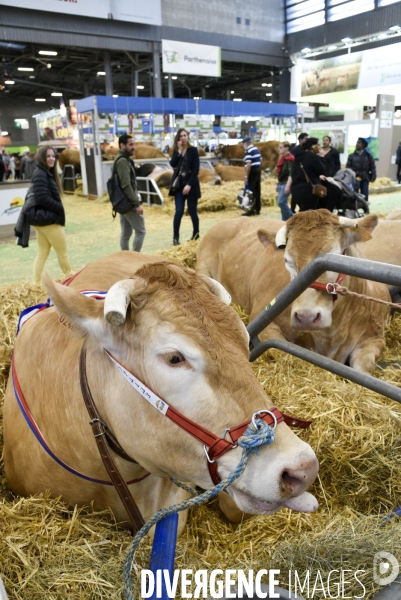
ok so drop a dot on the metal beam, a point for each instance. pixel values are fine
(50, 87)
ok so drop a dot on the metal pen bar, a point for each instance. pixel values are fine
(357, 267)
(368, 381)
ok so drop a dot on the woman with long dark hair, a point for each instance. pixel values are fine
(47, 215)
(185, 162)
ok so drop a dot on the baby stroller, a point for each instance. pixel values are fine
(354, 204)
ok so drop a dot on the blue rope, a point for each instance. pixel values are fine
(250, 442)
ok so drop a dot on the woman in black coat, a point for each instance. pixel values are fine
(307, 163)
(185, 162)
(47, 214)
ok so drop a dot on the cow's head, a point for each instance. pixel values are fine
(220, 151)
(308, 234)
(174, 330)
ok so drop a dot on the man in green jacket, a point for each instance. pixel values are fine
(134, 219)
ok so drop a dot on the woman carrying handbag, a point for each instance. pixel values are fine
(185, 162)
(47, 213)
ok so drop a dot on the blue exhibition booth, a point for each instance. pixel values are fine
(98, 115)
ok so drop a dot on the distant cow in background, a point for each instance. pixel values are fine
(148, 152)
(268, 151)
(229, 173)
(72, 157)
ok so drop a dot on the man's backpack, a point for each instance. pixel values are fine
(121, 204)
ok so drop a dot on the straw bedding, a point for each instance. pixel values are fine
(53, 551)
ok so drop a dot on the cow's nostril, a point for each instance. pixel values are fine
(290, 483)
(317, 318)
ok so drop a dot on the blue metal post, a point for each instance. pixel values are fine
(163, 551)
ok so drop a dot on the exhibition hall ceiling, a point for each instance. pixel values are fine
(77, 72)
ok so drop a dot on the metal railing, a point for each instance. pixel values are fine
(150, 192)
(356, 267)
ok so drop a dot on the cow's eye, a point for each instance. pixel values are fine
(175, 358)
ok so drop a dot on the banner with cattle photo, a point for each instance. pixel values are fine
(357, 70)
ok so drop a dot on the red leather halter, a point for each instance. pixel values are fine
(330, 288)
(214, 446)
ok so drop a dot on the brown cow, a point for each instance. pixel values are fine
(209, 176)
(148, 152)
(229, 173)
(245, 259)
(268, 151)
(69, 156)
(173, 330)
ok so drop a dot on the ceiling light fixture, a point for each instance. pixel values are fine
(269, 85)
(4, 133)
(31, 76)
(9, 81)
(25, 68)
(40, 99)
(115, 95)
(174, 77)
(237, 99)
(48, 53)
(101, 73)
(264, 84)
(140, 87)
(56, 94)
(232, 92)
(269, 94)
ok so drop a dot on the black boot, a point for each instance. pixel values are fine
(195, 236)
(176, 241)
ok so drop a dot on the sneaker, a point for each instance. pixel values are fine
(176, 242)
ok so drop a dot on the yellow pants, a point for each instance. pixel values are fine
(50, 236)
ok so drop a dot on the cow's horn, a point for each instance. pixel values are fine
(220, 291)
(348, 222)
(281, 237)
(116, 301)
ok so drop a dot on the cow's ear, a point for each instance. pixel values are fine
(362, 232)
(82, 314)
(266, 238)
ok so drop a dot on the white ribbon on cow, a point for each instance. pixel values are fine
(118, 296)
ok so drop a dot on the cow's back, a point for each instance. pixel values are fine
(102, 274)
(385, 245)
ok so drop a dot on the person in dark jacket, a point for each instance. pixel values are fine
(397, 161)
(134, 219)
(331, 157)
(309, 165)
(363, 164)
(185, 162)
(50, 234)
(301, 141)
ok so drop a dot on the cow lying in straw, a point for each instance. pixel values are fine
(173, 330)
(245, 259)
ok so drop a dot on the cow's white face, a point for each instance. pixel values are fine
(310, 234)
(194, 356)
(313, 309)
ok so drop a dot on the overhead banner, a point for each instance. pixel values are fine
(135, 11)
(358, 70)
(191, 59)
